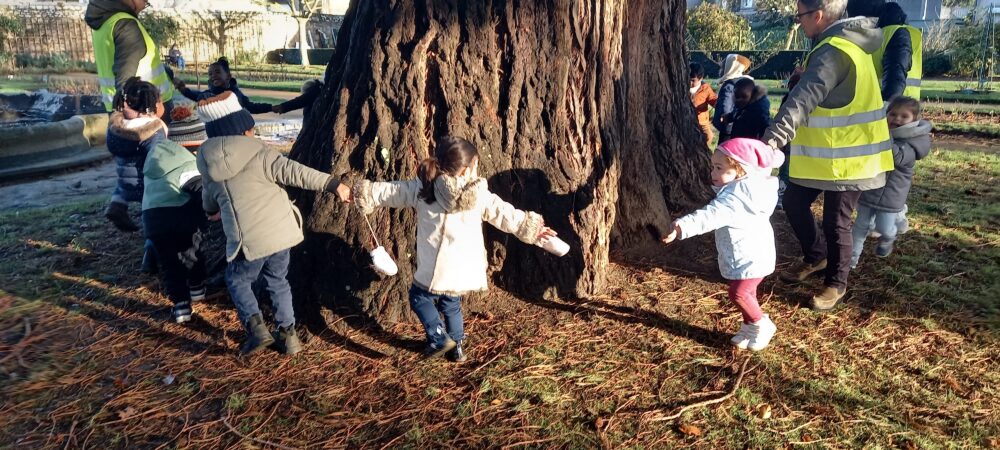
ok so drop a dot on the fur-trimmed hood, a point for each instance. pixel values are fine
(458, 193)
(132, 130)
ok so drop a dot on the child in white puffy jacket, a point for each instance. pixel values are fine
(746, 195)
(451, 203)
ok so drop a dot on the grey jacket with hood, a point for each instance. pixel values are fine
(910, 143)
(241, 179)
(828, 81)
(130, 47)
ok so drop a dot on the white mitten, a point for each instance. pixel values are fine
(382, 262)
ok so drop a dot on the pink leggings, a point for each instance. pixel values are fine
(744, 294)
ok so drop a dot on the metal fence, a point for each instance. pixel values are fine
(61, 30)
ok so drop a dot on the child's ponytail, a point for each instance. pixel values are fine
(451, 155)
(427, 172)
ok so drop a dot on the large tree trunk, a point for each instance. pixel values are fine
(580, 111)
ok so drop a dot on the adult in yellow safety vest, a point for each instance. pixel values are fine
(838, 139)
(124, 49)
(899, 61)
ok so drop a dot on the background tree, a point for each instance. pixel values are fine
(580, 110)
(215, 26)
(163, 28)
(10, 25)
(776, 16)
(712, 27)
(302, 11)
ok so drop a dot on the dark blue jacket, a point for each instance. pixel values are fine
(724, 106)
(896, 63)
(752, 120)
(253, 108)
(130, 147)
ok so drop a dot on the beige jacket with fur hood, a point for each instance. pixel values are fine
(451, 252)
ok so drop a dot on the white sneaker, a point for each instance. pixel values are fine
(742, 337)
(765, 330)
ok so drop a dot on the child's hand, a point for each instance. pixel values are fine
(179, 85)
(215, 217)
(546, 233)
(675, 230)
(277, 109)
(344, 192)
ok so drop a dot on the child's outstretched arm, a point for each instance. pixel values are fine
(527, 226)
(721, 212)
(286, 172)
(392, 194)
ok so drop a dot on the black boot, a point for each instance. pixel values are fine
(288, 341)
(149, 264)
(457, 354)
(117, 213)
(257, 335)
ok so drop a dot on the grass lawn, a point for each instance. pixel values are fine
(910, 361)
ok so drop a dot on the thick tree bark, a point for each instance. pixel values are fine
(580, 111)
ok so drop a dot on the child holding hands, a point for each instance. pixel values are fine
(451, 202)
(746, 195)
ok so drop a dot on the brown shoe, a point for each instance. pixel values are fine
(801, 271)
(827, 299)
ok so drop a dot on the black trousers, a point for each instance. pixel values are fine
(178, 275)
(833, 241)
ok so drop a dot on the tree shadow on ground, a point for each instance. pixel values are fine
(330, 294)
(558, 276)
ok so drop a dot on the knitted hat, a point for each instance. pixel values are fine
(224, 116)
(753, 155)
(186, 128)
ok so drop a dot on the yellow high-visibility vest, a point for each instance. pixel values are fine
(917, 60)
(150, 67)
(847, 143)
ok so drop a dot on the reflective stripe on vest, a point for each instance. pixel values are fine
(150, 66)
(916, 60)
(847, 143)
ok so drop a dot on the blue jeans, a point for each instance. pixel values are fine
(885, 224)
(429, 309)
(240, 275)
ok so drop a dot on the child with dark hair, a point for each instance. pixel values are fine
(451, 202)
(220, 79)
(703, 97)
(243, 182)
(134, 128)
(752, 115)
(886, 206)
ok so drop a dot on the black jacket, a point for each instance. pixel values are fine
(896, 63)
(130, 46)
(752, 120)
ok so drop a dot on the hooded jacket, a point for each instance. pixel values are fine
(171, 200)
(451, 252)
(740, 216)
(752, 120)
(130, 141)
(234, 87)
(241, 178)
(910, 143)
(828, 81)
(130, 46)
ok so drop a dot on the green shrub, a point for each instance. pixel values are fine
(55, 62)
(9, 26)
(937, 64)
(163, 28)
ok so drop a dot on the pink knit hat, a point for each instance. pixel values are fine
(753, 155)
